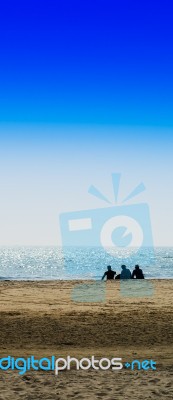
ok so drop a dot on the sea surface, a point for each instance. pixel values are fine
(42, 263)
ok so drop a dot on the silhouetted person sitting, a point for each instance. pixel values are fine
(137, 273)
(109, 274)
(125, 273)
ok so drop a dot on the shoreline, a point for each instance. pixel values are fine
(72, 280)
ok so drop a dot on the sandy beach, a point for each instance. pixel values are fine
(42, 319)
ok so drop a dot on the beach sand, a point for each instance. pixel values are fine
(42, 319)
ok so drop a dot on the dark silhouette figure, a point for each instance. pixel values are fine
(137, 273)
(109, 274)
(125, 273)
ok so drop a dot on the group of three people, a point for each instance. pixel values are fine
(125, 273)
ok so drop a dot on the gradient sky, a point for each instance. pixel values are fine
(86, 89)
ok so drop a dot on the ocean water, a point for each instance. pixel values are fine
(42, 263)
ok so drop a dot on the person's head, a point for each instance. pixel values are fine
(123, 267)
(136, 266)
(109, 268)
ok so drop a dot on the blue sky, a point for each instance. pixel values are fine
(86, 89)
(91, 62)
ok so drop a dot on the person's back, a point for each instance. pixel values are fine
(137, 273)
(125, 273)
(109, 274)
